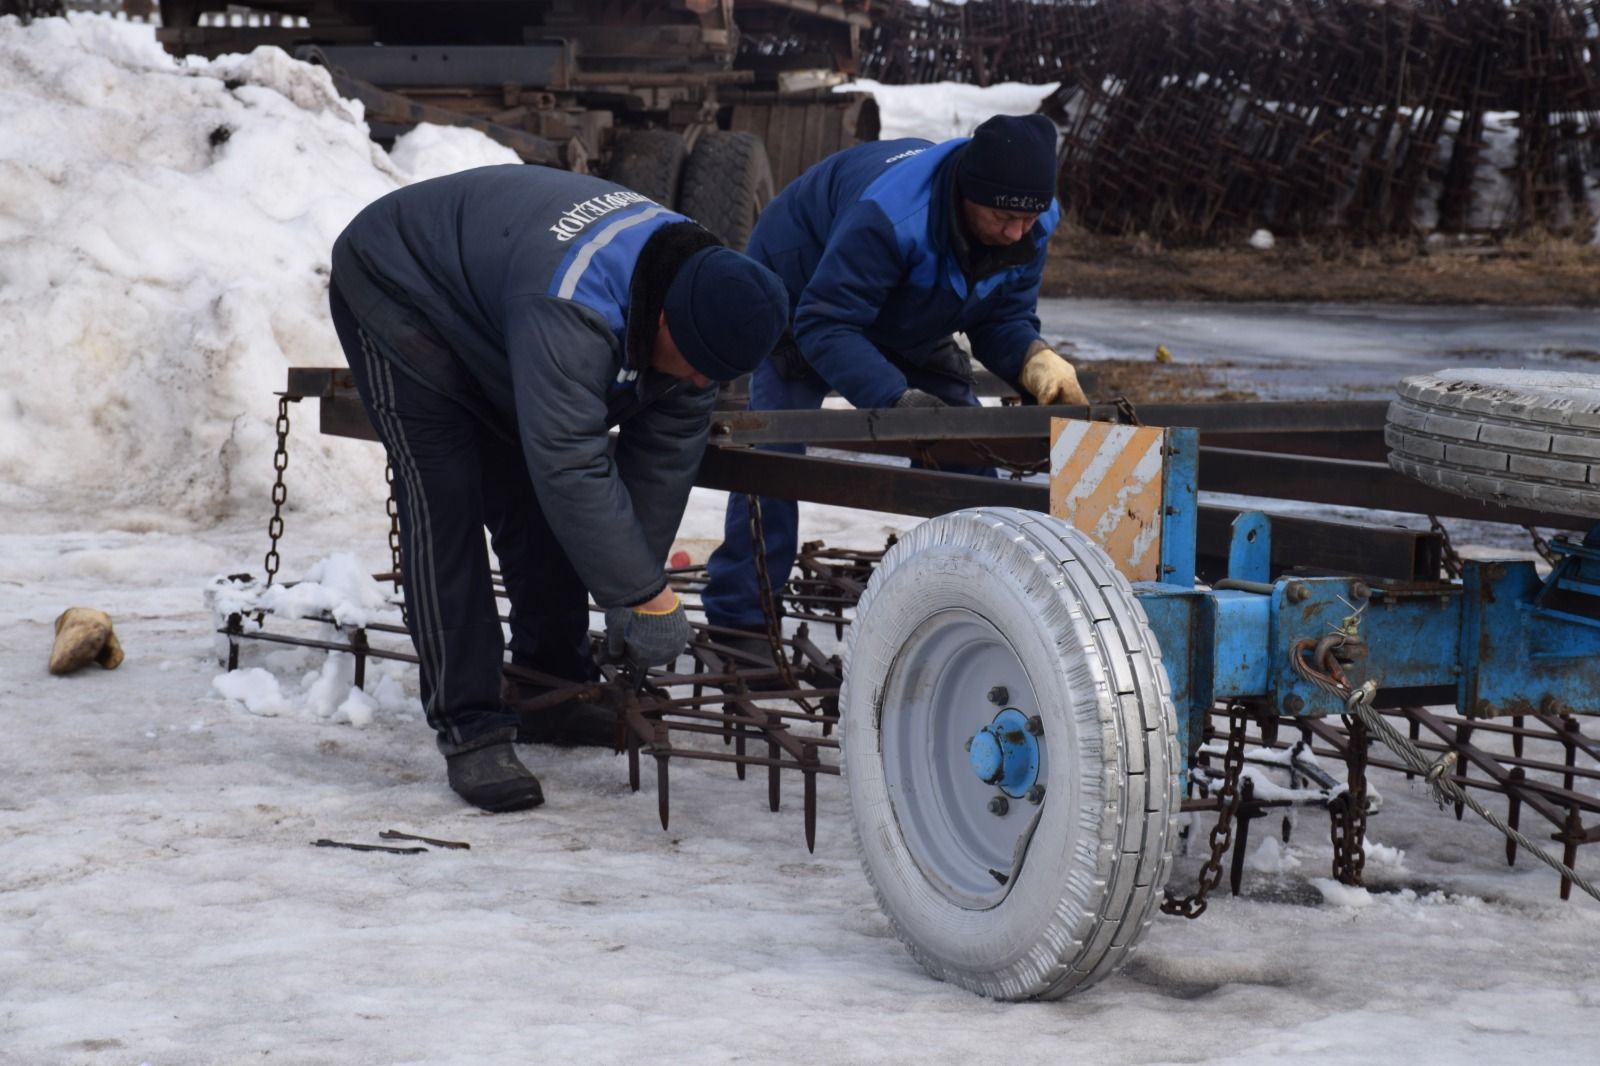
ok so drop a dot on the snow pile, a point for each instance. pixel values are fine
(434, 151)
(948, 109)
(164, 242)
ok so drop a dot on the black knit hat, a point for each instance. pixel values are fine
(725, 312)
(1010, 164)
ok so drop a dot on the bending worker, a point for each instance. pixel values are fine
(498, 322)
(886, 249)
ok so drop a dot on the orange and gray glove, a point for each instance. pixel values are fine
(1050, 378)
(647, 638)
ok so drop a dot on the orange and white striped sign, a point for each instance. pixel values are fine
(1105, 479)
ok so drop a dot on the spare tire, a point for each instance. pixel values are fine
(1008, 748)
(726, 184)
(1524, 437)
(648, 162)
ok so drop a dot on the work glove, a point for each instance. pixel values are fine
(84, 636)
(647, 638)
(918, 398)
(1051, 378)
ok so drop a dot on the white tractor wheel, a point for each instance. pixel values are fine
(1525, 437)
(1008, 747)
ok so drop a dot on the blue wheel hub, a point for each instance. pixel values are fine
(1005, 753)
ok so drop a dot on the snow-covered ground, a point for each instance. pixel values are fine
(159, 898)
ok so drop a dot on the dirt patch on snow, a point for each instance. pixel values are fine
(1515, 272)
(1149, 381)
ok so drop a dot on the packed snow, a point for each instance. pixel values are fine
(159, 898)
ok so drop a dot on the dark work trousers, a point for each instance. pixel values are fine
(454, 476)
(732, 595)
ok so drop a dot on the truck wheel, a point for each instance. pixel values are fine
(726, 183)
(1524, 437)
(648, 162)
(1008, 748)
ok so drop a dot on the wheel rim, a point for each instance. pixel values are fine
(957, 683)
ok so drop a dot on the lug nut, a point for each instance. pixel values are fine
(1297, 592)
(999, 805)
(1036, 725)
(1036, 794)
(999, 695)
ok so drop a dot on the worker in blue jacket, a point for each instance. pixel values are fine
(886, 249)
(498, 323)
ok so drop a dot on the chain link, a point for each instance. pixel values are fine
(280, 462)
(769, 600)
(1542, 546)
(1448, 556)
(1347, 815)
(393, 510)
(1016, 470)
(1194, 905)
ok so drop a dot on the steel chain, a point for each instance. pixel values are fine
(1542, 546)
(393, 510)
(1016, 470)
(1194, 905)
(1347, 815)
(769, 600)
(280, 461)
(1448, 556)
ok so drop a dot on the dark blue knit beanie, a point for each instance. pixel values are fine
(1010, 164)
(725, 312)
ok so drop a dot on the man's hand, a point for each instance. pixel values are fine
(652, 634)
(1051, 379)
(918, 398)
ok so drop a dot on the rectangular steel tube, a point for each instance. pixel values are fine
(1351, 483)
(832, 426)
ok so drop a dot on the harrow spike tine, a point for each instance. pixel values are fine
(661, 789)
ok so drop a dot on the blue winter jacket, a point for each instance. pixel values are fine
(876, 267)
(508, 289)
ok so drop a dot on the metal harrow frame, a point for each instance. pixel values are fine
(1326, 452)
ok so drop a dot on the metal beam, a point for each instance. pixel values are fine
(384, 106)
(844, 426)
(1352, 483)
(876, 486)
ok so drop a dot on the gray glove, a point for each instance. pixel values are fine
(918, 398)
(647, 639)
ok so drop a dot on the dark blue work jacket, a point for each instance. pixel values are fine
(868, 243)
(507, 289)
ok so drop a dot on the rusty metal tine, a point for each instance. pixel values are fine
(661, 748)
(810, 800)
(773, 777)
(1514, 814)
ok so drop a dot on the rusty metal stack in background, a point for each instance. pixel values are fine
(1192, 119)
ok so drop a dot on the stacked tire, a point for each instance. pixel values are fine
(1527, 438)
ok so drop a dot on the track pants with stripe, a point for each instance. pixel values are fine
(454, 477)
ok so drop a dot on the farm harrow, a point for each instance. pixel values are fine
(1050, 672)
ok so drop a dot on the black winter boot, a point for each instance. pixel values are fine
(574, 723)
(486, 772)
(757, 657)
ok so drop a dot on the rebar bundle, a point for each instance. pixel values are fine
(1187, 119)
